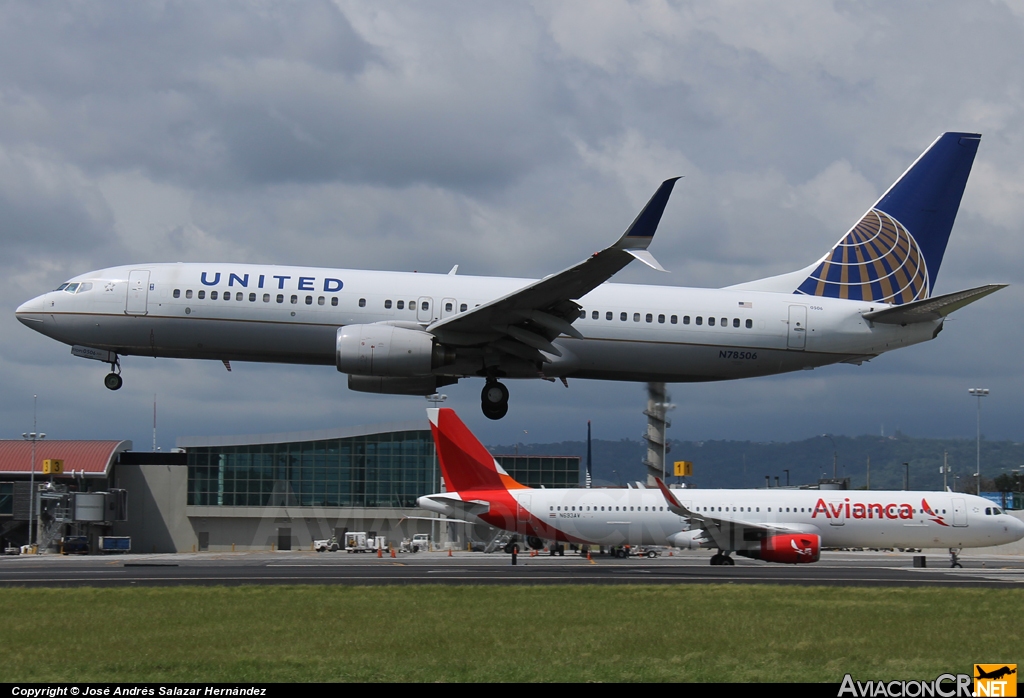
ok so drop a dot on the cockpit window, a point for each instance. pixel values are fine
(61, 287)
(85, 286)
(71, 288)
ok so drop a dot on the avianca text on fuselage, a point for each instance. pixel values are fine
(409, 334)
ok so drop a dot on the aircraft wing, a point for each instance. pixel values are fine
(932, 308)
(726, 533)
(524, 323)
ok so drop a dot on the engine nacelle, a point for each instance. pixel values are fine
(788, 548)
(386, 350)
(416, 385)
(692, 539)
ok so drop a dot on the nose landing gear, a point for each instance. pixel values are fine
(494, 399)
(112, 381)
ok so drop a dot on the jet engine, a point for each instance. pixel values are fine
(789, 548)
(386, 350)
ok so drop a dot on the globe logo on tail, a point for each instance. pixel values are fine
(878, 260)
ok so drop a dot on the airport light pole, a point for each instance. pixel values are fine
(978, 393)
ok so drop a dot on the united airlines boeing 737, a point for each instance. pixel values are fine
(409, 333)
(781, 525)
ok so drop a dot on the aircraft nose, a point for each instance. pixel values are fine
(28, 310)
(1017, 528)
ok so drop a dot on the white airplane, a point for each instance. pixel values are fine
(780, 525)
(409, 333)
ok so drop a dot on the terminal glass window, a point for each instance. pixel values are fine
(377, 470)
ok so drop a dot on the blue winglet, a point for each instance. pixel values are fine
(641, 231)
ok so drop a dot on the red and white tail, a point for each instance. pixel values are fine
(466, 464)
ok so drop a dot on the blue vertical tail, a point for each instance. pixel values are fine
(893, 254)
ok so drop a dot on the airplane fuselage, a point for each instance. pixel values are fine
(842, 518)
(292, 315)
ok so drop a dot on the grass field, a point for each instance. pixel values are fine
(501, 633)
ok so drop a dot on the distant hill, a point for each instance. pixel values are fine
(732, 464)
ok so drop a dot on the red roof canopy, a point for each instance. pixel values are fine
(90, 457)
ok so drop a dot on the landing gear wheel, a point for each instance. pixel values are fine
(494, 400)
(495, 412)
(112, 381)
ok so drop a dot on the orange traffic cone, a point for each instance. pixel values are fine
(393, 553)
(449, 552)
(380, 553)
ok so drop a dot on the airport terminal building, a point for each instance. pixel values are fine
(273, 491)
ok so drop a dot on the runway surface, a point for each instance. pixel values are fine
(295, 567)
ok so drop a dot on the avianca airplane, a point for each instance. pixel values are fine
(780, 525)
(409, 333)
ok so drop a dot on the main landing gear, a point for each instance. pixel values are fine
(722, 558)
(494, 399)
(954, 557)
(112, 380)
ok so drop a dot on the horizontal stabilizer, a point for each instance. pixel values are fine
(931, 309)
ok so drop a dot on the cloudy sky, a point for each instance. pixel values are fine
(511, 139)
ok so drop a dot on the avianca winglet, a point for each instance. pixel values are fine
(409, 334)
(780, 525)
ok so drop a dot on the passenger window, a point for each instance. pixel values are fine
(661, 319)
(239, 296)
(320, 300)
(202, 295)
(213, 295)
(362, 302)
(252, 297)
(622, 316)
(636, 317)
(188, 293)
(698, 320)
(608, 315)
(750, 323)
(650, 317)
(280, 298)
(725, 322)
(595, 315)
(387, 304)
(294, 299)
(448, 307)
(735, 322)
(711, 322)
(266, 297)
(177, 293)
(400, 305)
(583, 314)
(309, 300)
(425, 305)
(674, 319)
(462, 308)
(334, 300)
